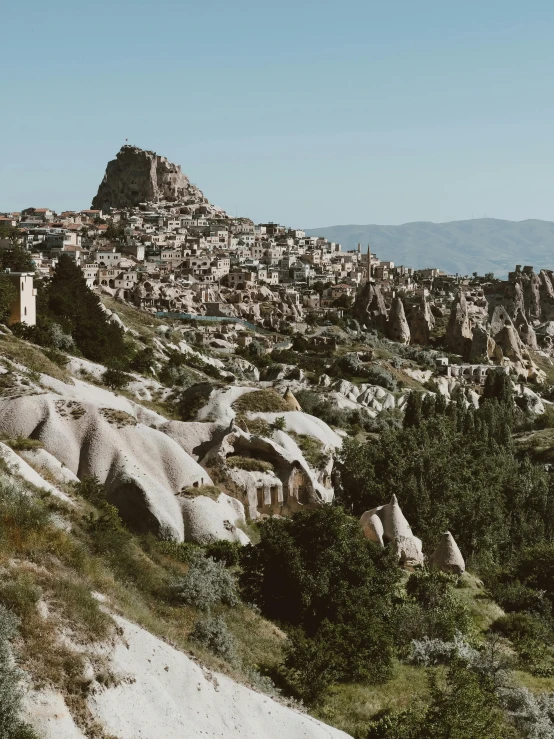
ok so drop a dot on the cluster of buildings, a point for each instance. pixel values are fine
(163, 258)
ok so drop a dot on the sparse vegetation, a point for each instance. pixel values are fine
(261, 401)
(251, 464)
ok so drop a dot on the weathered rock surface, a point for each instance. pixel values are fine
(387, 524)
(207, 520)
(525, 331)
(421, 321)
(447, 556)
(369, 307)
(458, 331)
(164, 694)
(482, 345)
(143, 469)
(397, 326)
(138, 176)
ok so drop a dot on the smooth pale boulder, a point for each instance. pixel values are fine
(207, 520)
(447, 556)
(387, 524)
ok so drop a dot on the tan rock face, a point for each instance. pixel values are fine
(397, 327)
(447, 556)
(531, 290)
(369, 307)
(458, 332)
(387, 524)
(526, 331)
(421, 322)
(137, 176)
(482, 346)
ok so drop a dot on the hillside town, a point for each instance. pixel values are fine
(154, 241)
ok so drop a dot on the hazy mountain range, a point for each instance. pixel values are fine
(481, 245)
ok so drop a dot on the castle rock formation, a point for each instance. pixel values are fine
(137, 176)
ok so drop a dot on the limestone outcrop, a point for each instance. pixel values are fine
(369, 307)
(525, 331)
(482, 346)
(447, 556)
(397, 326)
(458, 331)
(387, 524)
(143, 469)
(207, 520)
(161, 692)
(137, 176)
(421, 321)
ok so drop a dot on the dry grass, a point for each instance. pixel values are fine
(351, 706)
(143, 323)
(32, 357)
(482, 609)
(209, 491)
(261, 401)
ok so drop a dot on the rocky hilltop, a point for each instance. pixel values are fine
(139, 176)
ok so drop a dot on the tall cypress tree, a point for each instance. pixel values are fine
(72, 302)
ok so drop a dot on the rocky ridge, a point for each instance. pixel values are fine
(137, 176)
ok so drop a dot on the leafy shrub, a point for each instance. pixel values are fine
(212, 632)
(206, 583)
(429, 652)
(318, 574)
(531, 713)
(57, 357)
(321, 407)
(115, 378)
(227, 552)
(431, 608)
(463, 706)
(379, 376)
(279, 424)
(142, 361)
(249, 463)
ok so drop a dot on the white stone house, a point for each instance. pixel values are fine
(24, 309)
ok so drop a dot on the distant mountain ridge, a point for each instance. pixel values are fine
(480, 245)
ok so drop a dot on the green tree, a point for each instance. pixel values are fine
(413, 412)
(69, 300)
(464, 706)
(317, 572)
(499, 386)
(16, 259)
(8, 296)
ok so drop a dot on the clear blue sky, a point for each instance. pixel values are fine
(306, 112)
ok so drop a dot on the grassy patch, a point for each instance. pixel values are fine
(33, 357)
(145, 324)
(118, 418)
(261, 401)
(249, 463)
(22, 443)
(350, 706)
(209, 491)
(483, 611)
(312, 449)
